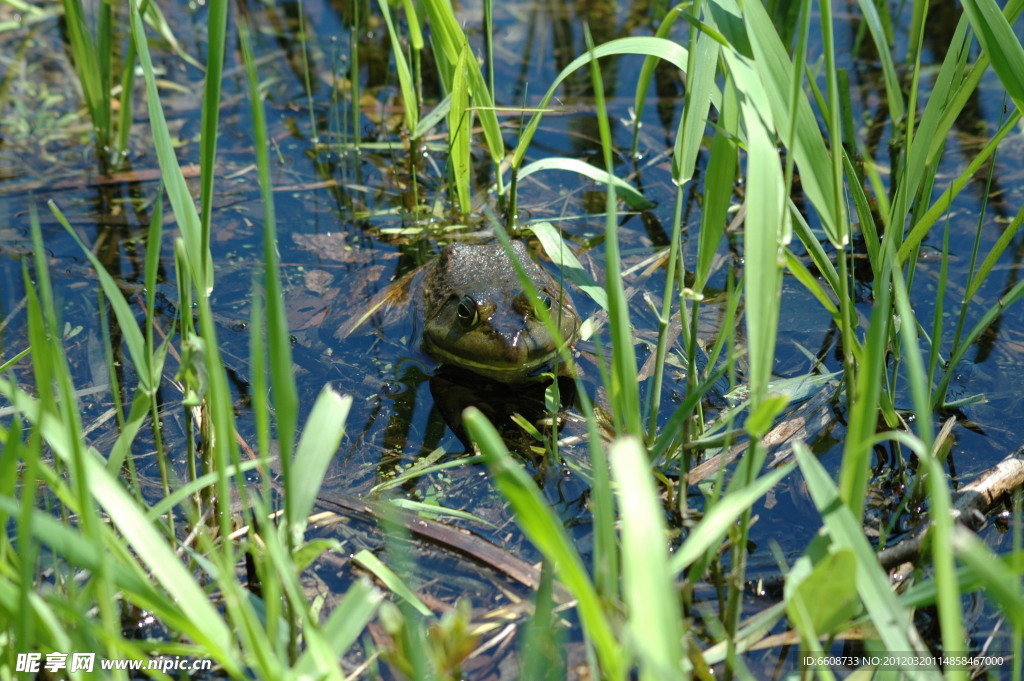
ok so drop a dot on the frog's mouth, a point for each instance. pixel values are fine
(508, 367)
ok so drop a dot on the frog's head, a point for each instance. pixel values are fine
(479, 318)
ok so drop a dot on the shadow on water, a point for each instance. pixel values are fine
(359, 213)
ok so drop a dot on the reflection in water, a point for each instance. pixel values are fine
(454, 390)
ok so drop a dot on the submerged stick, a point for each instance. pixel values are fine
(970, 504)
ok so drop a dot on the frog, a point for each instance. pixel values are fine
(473, 314)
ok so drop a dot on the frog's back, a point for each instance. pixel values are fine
(482, 271)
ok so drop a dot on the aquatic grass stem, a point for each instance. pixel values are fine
(210, 116)
(766, 231)
(833, 109)
(938, 316)
(648, 581)
(60, 407)
(892, 620)
(977, 277)
(948, 590)
(996, 35)
(879, 24)
(548, 534)
(126, 107)
(285, 396)
(307, 80)
(623, 390)
(835, 202)
(449, 43)
(193, 257)
(606, 553)
(460, 126)
(92, 59)
(200, 268)
(154, 242)
(702, 66)
(353, 79)
(953, 88)
(489, 45)
(406, 83)
(43, 372)
(654, 396)
(866, 390)
(647, 72)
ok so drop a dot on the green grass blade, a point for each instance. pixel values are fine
(633, 198)
(87, 60)
(133, 337)
(392, 581)
(217, 34)
(953, 89)
(1003, 48)
(1000, 582)
(345, 623)
(286, 400)
(763, 248)
(204, 623)
(818, 255)
(200, 269)
(448, 35)
(180, 494)
(158, 22)
(719, 179)
(893, 89)
(701, 91)
(941, 206)
(460, 126)
(647, 71)
(623, 386)
(68, 543)
(713, 527)
(811, 283)
(774, 70)
(432, 119)
(943, 534)
(834, 204)
(655, 621)
(318, 445)
(1008, 299)
(653, 47)
(547, 532)
(891, 620)
(568, 264)
(997, 250)
(911, 354)
(853, 478)
(405, 80)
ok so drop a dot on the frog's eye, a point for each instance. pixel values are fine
(466, 309)
(546, 301)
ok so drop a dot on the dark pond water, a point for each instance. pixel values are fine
(352, 220)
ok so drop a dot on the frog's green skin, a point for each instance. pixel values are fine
(476, 315)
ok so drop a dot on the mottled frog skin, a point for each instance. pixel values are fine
(476, 315)
(469, 311)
